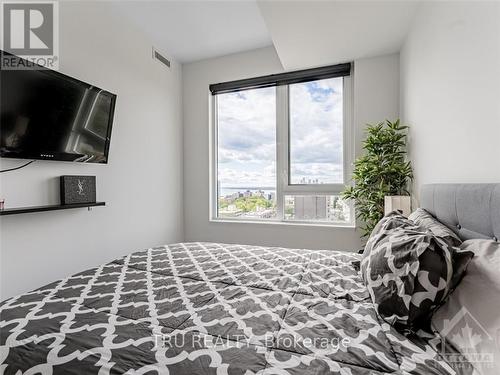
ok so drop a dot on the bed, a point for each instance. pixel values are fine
(211, 308)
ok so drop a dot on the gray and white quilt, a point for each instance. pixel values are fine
(209, 308)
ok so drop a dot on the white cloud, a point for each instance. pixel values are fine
(316, 127)
(229, 177)
(247, 138)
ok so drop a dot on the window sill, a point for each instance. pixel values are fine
(350, 226)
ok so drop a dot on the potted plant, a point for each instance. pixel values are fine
(381, 172)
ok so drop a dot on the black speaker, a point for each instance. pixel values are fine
(77, 189)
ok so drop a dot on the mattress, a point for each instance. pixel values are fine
(209, 308)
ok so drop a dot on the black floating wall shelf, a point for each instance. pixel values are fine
(55, 207)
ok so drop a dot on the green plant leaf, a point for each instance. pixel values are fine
(382, 170)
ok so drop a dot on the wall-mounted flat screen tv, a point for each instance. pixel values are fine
(47, 115)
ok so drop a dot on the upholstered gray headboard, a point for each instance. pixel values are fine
(471, 210)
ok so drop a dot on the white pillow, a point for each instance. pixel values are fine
(470, 319)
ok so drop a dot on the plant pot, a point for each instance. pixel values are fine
(397, 202)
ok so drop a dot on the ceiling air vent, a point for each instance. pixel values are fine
(160, 58)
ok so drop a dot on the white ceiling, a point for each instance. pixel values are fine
(305, 33)
(315, 33)
(195, 30)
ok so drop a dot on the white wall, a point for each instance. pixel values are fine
(450, 86)
(376, 92)
(377, 97)
(142, 184)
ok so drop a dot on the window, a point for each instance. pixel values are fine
(282, 153)
(316, 132)
(246, 154)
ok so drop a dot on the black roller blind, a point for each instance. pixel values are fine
(306, 75)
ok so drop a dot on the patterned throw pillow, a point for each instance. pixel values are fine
(392, 220)
(408, 271)
(461, 258)
(424, 219)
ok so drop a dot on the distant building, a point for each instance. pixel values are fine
(309, 181)
(230, 211)
(310, 207)
(233, 197)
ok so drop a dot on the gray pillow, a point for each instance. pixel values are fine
(424, 219)
(470, 319)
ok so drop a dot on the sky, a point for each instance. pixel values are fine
(247, 135)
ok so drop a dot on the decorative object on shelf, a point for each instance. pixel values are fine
(2, 204)
(383, 171)
(397, 203)
(78, 189)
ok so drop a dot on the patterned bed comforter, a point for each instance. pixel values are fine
(208, 308)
